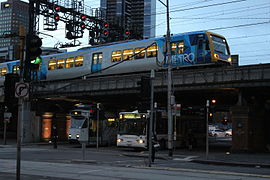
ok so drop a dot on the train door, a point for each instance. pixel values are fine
(96, 62)
(200, 49)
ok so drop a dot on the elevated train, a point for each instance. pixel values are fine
(187, 49)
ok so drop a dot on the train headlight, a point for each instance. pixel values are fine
(229, 59)
(119, 140)
(140, 141)
(216, 56)
(69, 136)
(77, 136)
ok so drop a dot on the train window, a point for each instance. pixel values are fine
(180, 47)
(139, 53)
(78, 61)
(116, 56)
(15, 69)
(52, 65)
(128, 54)
(173, 48)
(69, 63)
(152, 51)
(60, 63)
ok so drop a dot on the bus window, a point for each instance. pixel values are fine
(3, 71)
(52, 65)
(152, 51)
(116, 56)
(69, 63)
(180, 47)
(78, 61)
(128, 54)
(15, 69)
(173, 48)
(139, 53)
(60, 63)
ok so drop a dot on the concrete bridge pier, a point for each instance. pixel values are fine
(251, 122)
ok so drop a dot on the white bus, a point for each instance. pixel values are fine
(133, 130)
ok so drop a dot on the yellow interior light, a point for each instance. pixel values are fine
(111, 119)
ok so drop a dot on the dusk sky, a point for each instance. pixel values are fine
(244, 23)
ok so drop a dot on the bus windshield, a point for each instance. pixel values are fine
(220, 45)
(132, 127)
(77, 122)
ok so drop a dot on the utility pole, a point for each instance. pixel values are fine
(150, 140)
(206, 138)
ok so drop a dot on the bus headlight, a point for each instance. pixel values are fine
(229, 59)
(77, 136)
(69, 136)
(119, 140)
(140, 141)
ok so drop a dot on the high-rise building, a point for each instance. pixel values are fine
(13, 17)
(138, 16)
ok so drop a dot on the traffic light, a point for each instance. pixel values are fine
(9, 90)
(126, 34)
(83, 17)
(35, 48)
(105, 30)
(56, 17)
(57, 8)
(145, 87)
(82, 25)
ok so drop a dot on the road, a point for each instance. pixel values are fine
(44, 162)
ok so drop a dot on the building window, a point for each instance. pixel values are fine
(128, 54)
(60, 64)
(152, 51)
(116, 56)
(52, 65)
(78, 61)
(139, 53)
(69, 63)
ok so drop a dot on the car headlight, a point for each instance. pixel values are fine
(119, 140)
(77, 136)
(140, 141)
(69, 136)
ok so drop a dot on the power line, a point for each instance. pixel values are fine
(239, 26)
(198, 7)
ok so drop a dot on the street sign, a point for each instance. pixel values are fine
(22, 90)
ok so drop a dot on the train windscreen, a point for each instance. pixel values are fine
(220, 45)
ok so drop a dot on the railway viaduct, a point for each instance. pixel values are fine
(243, 90)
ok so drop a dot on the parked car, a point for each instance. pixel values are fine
(228, 132)
(217, 133)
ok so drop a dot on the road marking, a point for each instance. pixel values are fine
(85, 172)
(206, 171)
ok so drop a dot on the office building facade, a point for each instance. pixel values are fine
(13, 17)
(136, 16)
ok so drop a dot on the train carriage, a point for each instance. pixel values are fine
(187, 49)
